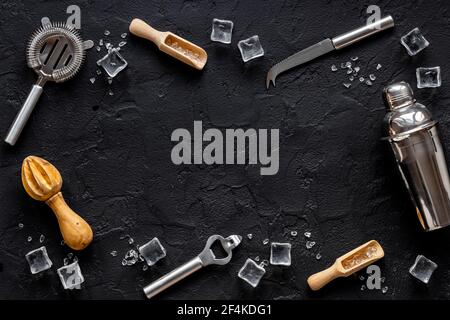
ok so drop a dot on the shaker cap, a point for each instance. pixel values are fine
(398, 95)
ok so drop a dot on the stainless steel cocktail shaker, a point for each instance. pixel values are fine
(413, 136)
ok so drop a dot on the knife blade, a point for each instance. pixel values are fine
(326, 46)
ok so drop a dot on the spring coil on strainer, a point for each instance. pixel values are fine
(55, 52)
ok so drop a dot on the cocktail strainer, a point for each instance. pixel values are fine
(56, 52)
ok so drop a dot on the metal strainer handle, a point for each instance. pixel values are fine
(22, 117)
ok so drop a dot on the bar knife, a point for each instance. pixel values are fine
(328, 45)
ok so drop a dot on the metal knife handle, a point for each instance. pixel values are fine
(173, 277)
(24, 114)
(353, 36)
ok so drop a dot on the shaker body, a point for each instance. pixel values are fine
(421, 161)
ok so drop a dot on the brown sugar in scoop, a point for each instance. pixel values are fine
(43, 182)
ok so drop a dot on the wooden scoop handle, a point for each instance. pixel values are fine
(144, 30)
(320, 279)
(76, 232)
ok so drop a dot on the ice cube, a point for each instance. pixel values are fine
(265, 241)
(378, 66)
(294, 233)
(29, 239)
(384, 290)
(152, 251)
(307, 234)
(71, 276)
(20, 225)
(251, 272)
(414, 42)
(280, 254)
(221, 30)
(333, 68)
(250, 48)
(113, 253)
(113, 62)
(38, 260)
(347, 85)
(422, 268)
(250, 236)
(106, 33)
(428, 77)
(318, 256)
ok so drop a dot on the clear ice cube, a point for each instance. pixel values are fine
(414, 42)
(428, 77)
(280, 254)
(251, 272)
(250, 48)
(422, 269)
(38, 260)
(113, 62)
(221, 31)
(152, 251)
(71, 276)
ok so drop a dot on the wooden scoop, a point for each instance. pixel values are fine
(348, 264)
(171, 44)
(43, 182)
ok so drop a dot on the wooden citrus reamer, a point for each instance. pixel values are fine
(43, 182)
(171, 44)
(348, 264)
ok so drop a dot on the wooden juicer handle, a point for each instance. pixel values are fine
(76, 232)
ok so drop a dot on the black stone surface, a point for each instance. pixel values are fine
(337, 179)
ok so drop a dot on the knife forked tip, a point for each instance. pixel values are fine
(270, 78)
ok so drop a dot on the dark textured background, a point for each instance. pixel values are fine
(337, 179)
